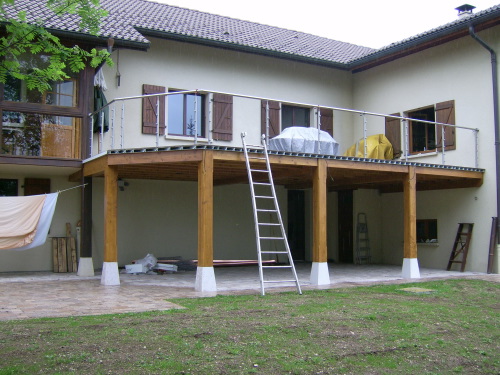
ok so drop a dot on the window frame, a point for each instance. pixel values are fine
(428, 238)
(10, 180)
(426, 126)
(203, 130)
(293, 109)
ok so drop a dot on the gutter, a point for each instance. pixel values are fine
(494, 78)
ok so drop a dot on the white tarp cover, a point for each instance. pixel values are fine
(25, 221)
(304, 140)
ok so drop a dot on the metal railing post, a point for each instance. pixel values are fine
(365, 148)
(476, 136)
(406, 135)
(101, 137)
(319, 130)
(196, 118)
(443, 142)
(91, 136)
(122, 136)
(157, 121)
(267, 122)
(113, 126)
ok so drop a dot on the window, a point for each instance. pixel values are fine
(282, 116)
(8, 187)
(427, 231)
(294, 116)
(424, 137)
(31, 134)
(43, 124)
(186, 114)
(36, 186)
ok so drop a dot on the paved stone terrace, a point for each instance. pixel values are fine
(46, 294)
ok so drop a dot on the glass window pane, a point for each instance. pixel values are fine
(301, 116)
(193, 118)
(175, 115)
(286, 116)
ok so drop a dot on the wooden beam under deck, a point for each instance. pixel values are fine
(205, 210)
(289, 171)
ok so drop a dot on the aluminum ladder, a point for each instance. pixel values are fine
(363, 254)
(266, 213)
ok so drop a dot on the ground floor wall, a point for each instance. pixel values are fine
(67, 211)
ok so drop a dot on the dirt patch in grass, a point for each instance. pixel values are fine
(365, 330)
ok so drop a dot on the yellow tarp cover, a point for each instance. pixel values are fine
(378, 147)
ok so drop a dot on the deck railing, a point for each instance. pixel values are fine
(116, 136)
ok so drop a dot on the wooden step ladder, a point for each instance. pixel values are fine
(363, 255)
(461, 245)
(267, 214)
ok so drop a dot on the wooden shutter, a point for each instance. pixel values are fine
(274, 118)
(393, 133)
(222, 117)
(326, 120)
(149, 109)
(445, 113)
(36, 186)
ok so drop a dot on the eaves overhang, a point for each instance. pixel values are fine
(242, 48)
(426, 40)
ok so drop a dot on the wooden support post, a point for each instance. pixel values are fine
(205, 277)
(110, 214)
(319, 272)
(205, 210)
(110, 274)
(85, 262)
(410, 262)
(319, 213)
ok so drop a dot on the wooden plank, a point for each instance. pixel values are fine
(205, 210)
(55, 257)
(95, 166)
(110, 214)
(156, 157)
(410, 213)
(71, 254)
(319, 213)
(61, 254)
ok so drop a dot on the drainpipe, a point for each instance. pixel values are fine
(494, 77)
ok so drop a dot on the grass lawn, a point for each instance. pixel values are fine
(363, 330)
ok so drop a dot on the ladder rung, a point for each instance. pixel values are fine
(264, 196)
(263, 210)
(259, 170)
(273, 224)
(262, 183)
(271, 238)
(276, 266)
(274, 252)
(279, 281)
(256, 157)
(258, 147)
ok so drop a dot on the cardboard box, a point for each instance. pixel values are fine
(135, 268)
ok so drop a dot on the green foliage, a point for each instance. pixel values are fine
(22, 38)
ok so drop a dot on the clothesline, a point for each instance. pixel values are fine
(74, 187)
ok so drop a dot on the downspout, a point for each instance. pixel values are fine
(494, 77)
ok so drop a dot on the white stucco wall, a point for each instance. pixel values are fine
(177, 65)
(459, 71)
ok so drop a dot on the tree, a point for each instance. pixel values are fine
(21, 37)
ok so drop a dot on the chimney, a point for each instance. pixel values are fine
(465, 10)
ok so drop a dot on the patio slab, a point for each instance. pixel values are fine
(46, 294)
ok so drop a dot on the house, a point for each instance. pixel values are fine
(165, 173)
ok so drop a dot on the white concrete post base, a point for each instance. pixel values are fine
(410, 268)
(205, 280)
(85, 267)
(320, 274)
(110, 275)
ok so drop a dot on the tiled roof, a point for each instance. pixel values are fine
(132, 21)
(127, 17)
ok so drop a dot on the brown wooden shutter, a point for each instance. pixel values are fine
(274, 118)
(326, 120)
(445, 113)
(36, 186)
(149, 109)
(393, 133)
(223, 117)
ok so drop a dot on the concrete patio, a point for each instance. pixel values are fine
(47, 294)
